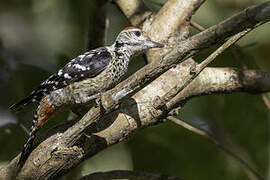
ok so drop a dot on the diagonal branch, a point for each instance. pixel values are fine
(195, 71)
(188, 48)
(171, 18)
(62, 151)
(210, 82)
(171, 25)
(135, 113)
(217, 142)
(168, 26)
(135, 11)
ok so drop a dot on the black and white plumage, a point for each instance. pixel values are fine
(83, 78)
(82, 67)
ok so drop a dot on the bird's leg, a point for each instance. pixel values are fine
(99, 103)
(84, 103)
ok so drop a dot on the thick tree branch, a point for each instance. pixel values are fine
(197, 69)
(171, 18)
(137, 112)
(248, 18)
(235, 80)
(188, 48)
(92, 133)
(135, 11)
(171, 25)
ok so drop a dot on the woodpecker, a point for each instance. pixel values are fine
(83, 79)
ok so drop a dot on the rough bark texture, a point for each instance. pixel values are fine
(101, 128)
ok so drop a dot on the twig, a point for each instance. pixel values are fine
(188, 126)
(244, 66)
(197, 26)
(217, 142)
(266, 101)
(24, 128)
(233, 48)
(197, 69)
(221, 49)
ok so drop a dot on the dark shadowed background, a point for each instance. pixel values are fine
(38, 37)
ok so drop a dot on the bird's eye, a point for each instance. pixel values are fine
(138, 33)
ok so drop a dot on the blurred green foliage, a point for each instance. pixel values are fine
(37, 37)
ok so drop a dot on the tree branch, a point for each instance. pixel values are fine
(134, 113)
(223, 81)
(171, 18)
(135, 11)
(98, 129)
(197, 69)
(217, 142)
(171, 25)
(188, 48)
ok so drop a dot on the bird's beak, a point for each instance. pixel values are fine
(152, 44)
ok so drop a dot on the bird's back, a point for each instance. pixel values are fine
(88, 65)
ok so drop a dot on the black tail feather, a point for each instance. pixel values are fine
(28, 146)
(18, 106)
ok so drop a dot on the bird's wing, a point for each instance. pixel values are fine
(82, 67)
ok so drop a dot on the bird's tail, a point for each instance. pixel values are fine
(28, 146)
(18, 106)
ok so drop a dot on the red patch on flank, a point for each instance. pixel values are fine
(130, 27)
(45, 111)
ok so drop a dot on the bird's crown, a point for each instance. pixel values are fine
(135, 40)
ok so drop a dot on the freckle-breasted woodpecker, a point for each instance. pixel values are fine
(83, 79)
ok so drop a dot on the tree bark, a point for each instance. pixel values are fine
(100, 128)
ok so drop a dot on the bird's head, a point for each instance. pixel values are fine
(133, 40)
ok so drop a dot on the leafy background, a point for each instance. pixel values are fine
(38, 37)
